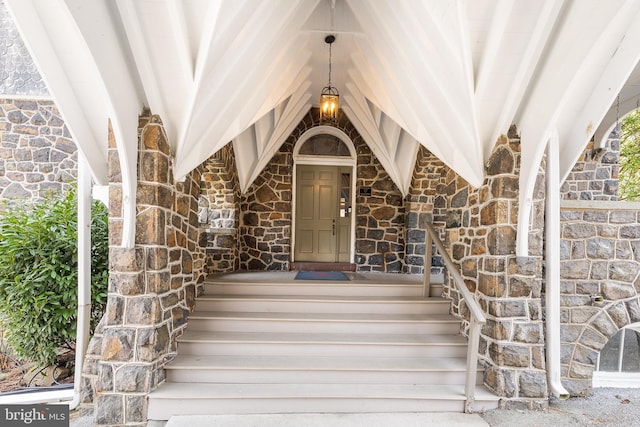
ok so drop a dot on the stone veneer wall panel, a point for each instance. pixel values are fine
(265, 215)
(595, 174)
(37, 154)
(219, 211)
(600, 256)
(266, 210)
(380, 218)
(481, 234)
(425, 204)
(152, 287)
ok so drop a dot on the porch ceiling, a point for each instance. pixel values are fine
(451, 75)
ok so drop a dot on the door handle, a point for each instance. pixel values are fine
(333, 228)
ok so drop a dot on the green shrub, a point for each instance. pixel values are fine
(39, 274)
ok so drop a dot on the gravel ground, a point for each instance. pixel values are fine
(606, 407)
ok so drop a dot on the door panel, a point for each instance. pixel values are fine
(344, 215)
(304, 243)
(306, 205)
(316, 213)
(327, 206)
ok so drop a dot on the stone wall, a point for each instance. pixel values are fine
(426, 203)
(37, 155)
(595, 174)
(600, 259)
(152, 287)
(266, 210)
(480, 232)
(380, 218)
(265, 214)
(219, 211)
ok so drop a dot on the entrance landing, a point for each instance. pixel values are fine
(281, 277)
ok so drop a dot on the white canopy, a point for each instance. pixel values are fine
(451, 75)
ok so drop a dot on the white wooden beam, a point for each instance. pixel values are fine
(246, 68)
(549, 14)
(120, 90)
(181, 34)
(626, 54)
(296, 107)
(489, 58)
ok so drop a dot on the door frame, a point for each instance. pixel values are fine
(342, 161)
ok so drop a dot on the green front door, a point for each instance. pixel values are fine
(317, 213)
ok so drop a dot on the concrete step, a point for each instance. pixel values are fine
(297, 322)
(318, 288)
(337, 344)
(205, 398)
(263, 369)
(284, 346)
(322, 304)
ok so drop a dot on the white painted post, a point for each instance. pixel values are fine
(472, 363)
(426, 291)
(84, 273)
(552, 261)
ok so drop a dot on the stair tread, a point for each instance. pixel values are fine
(322, 338)
(319, 363)
(288, 277)
(337, 317)
(331, 299)
(175, 390)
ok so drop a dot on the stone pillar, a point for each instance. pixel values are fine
(481, 232)
(152, 287)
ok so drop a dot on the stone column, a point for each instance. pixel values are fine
(152, 286)
(481, 232)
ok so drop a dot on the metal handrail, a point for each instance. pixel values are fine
(477, 316)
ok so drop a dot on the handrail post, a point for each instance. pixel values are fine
(472, 364)
(476, 319)
(428, 256)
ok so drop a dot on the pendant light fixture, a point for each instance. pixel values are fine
(329, 97)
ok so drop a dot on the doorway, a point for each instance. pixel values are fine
(323, 217)
(323, 213)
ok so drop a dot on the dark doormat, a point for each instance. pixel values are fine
(321, 275)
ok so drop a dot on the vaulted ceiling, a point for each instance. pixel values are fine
(451, 75)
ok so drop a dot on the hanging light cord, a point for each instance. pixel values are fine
(330, 64)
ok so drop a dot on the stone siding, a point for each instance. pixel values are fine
(219, 211)
(479, 228)
(600, 260)
(37, 155)
(595, 174)
(380, 217)
(265, 215)
(152, 287)
(425, 204)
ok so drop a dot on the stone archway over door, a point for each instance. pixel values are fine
(323, 216)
